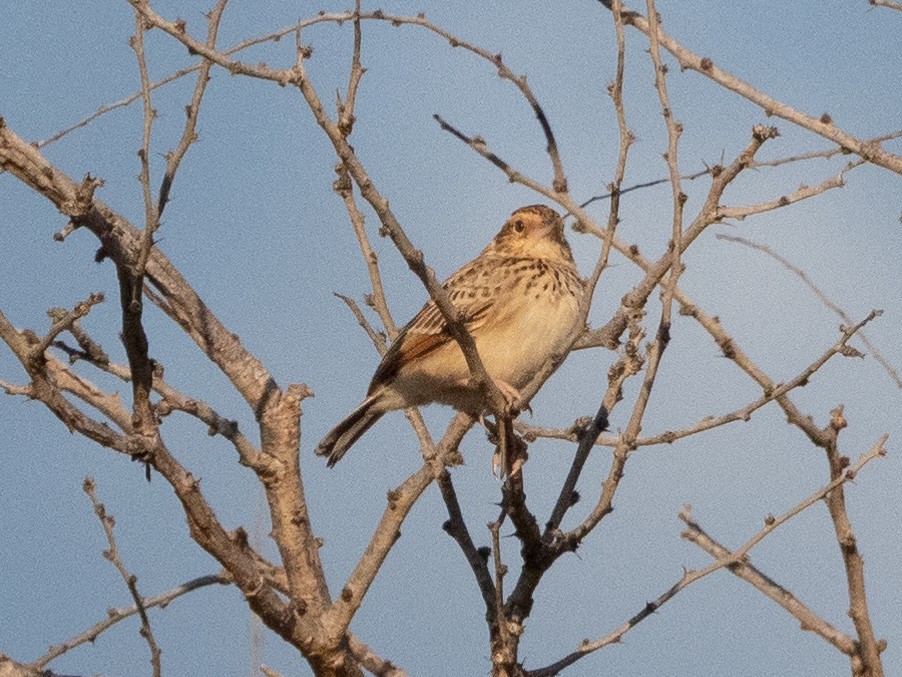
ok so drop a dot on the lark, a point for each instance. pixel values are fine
(521, 302)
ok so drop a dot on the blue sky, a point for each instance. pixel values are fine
(254, 226)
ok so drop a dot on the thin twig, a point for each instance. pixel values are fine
(732, 560)
(400, 500)
(822, 297)
(590, 433)
(114, 616)
(64, 321)
(377, 299)
(756, 164)
(378, 341)
(674, 130)
(151, 213)
(841, 347)
(189, 133)
(131, 581)
(807, 618)
(274, 36)
(889, 4)
(456, 527)
(821, 125)
(801, 193)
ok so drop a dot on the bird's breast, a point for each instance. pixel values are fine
(526, 333)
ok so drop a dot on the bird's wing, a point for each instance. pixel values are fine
(428, 330)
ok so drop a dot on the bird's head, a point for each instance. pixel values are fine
(534, 231)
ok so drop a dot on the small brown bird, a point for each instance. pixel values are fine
(520, 298)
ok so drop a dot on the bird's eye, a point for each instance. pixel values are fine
(518, 225)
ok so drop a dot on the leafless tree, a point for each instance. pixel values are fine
(290, 595)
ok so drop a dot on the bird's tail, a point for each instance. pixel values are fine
(342, 437)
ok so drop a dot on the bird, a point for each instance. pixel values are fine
(520, 300)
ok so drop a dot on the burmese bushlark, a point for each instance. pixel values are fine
(520, 299)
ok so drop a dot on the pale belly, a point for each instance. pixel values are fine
(512, 348)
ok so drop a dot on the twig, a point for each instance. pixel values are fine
(586, 438)
(756, 164)
(801, 193)
(44, 389)
(655, 272)
(772, 523)
(503, 649)
(377, 299)
(818, 125)
(734, 560)
(338, 617)
(456, 527)
(894, 375)
(841, 347)
(274, 36)
(669, 262)
(559, 182)
(889, 4)
(64, 321)
(131, 581)
(151, 213)
(869, 647)
(189, 134)
(114, 616)
(779, 594)
(674, 130)
(378, 341)
(346, 117)
(172, 399)
(590, 433)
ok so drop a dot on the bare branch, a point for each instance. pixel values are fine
(189, 134)
(870, 152)
(456, 527)
(114, 616)
(337, 618)
(151, 213)
(346, 117)
(872, 349)
(801, 193)
(131, 581)
(64, 321)
(779, 594)
(756, 164)
(377, 300)
(378, 341)
(889, 4)
(736, 561)
(841, 347)
(374, 664)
